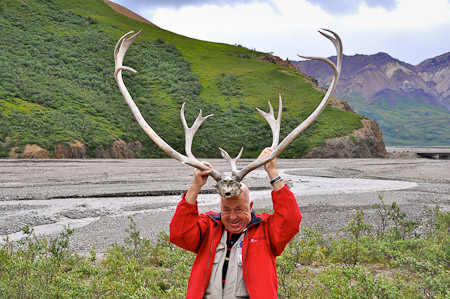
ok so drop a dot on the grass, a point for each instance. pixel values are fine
(60, 80)
(397, 257)
(407, 121)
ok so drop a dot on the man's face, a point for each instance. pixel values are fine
(236, 211)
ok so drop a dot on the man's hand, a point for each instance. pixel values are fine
(271, 168)
(200, 178)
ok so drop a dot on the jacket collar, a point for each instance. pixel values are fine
(255, 219)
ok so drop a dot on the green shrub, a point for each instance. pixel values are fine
(353, 264)
(37, 267)
(354, 246)
(354, 282)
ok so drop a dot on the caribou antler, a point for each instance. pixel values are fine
(119, 53)
(336, 40)
(274, 124)
(227, 186)
(190, 132)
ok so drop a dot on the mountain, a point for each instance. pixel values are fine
(436, 72)
(58, 97)
(411, 103)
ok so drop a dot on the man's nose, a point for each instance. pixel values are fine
(233, 215)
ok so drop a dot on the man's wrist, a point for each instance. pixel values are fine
(192, 193)
(196, 187)
(272, 174)
(275, 180)
(278, 185)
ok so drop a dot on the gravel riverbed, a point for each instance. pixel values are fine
(97, 197)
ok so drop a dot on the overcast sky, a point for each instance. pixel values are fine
(409, 30)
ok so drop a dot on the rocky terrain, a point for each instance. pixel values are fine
(369, 75)
(76, 149)
(410, 103)
(436, 72)
(362, 143)
(96, 197)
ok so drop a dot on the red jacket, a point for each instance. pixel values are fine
(266, 237)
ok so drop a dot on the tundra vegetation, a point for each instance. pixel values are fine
(57, 85)
(395, 257)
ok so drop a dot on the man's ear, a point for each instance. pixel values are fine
(251, 206)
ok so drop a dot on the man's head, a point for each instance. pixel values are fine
(236, 211)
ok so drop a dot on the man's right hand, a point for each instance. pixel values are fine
(200, 178)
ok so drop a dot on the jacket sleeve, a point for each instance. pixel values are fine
(284, 224)
(187, 227)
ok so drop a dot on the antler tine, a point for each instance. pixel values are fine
(275, 124)
(233, 162)
(338, 45)
(336, 40)
(119, 54)
(190, 132)
(307, 122)
(121, 49)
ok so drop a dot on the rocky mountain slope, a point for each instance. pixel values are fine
(411, 103)
(436, 72)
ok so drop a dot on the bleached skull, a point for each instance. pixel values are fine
(228, 187)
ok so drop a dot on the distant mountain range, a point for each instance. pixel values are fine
(410, 103)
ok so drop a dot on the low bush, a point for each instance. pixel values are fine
(361, 261)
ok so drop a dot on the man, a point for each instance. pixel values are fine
(236, 249)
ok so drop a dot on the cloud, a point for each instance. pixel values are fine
(351, 6)
(289, 27)
(137, 5)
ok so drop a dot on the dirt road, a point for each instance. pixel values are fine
(96, 197)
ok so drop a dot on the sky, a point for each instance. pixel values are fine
(408, 30)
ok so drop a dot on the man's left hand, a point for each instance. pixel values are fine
(270, 167)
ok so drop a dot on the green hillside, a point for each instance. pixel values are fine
(406, 120)
(57, 85)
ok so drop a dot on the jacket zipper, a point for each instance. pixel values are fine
(209, 257)
(243, 258)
